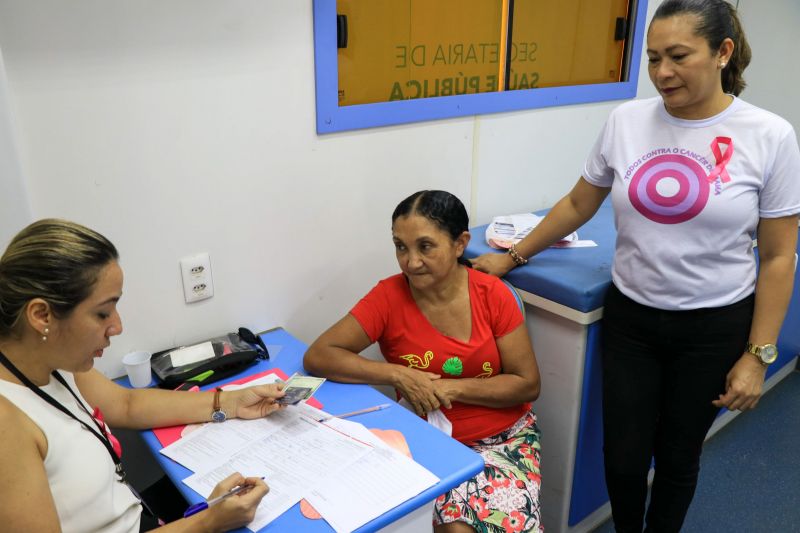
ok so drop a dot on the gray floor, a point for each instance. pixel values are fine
(750, 470)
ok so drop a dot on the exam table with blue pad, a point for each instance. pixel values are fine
(563, 289)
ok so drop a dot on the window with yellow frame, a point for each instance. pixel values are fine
(399, 61)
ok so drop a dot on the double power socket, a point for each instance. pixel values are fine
(196, 274)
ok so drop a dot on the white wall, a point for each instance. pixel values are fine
(773, 77)
(15, 210)
(188, 126)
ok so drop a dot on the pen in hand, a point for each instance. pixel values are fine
(196, 508)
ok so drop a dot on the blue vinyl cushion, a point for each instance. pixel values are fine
(574, 277)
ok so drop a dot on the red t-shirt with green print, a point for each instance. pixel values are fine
(390, 317)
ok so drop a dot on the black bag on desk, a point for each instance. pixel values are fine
(226, 355)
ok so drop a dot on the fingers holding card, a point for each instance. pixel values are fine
(299, 388)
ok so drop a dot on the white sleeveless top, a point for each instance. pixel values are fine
(80, 470)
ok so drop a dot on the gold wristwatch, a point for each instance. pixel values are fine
(765, 353)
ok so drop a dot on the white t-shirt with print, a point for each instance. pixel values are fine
(688, 195)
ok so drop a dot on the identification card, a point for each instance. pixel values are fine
(299, 388)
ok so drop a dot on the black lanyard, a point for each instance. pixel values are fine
(118, 468)
(52, 401)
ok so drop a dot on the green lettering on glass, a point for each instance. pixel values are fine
(418, 55)
(401, 56)
(461, 84)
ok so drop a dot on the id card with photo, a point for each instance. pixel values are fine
(299, 388)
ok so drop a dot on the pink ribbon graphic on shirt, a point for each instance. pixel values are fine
(722, 159)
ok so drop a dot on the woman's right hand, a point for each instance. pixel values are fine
(493, 263)
(238, 510)
(416, 386)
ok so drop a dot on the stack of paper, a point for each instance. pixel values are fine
(342, 469)
(507, 230)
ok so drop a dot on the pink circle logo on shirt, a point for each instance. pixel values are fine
(689, 200)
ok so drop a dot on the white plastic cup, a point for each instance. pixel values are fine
(137, 365)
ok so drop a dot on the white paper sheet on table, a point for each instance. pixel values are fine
(349, 470)
(371, 486)
(292, 459)
(506, 230)
(207, 445)
(348, 427)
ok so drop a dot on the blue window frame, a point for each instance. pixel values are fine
(332, 118)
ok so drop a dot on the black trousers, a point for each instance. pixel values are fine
(661, 371)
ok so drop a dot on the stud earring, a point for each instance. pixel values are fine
(722, 65)
(46, 333)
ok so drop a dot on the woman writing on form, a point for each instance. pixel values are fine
(453, 338)
(689, 323)
(59, 469)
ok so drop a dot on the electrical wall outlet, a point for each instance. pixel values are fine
(196, 274)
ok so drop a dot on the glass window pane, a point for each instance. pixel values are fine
(568, 42)
(408, 49)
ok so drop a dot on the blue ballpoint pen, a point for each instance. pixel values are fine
(196, 508)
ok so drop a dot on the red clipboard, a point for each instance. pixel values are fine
(168, 435)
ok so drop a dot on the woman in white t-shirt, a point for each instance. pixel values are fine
(690, 324)
(59, 465)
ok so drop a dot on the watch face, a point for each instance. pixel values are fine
(769, 352)
(218, 416)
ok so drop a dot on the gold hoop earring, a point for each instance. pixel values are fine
(44, 336)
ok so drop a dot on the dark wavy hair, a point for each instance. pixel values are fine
(440, 207)
(717, 20)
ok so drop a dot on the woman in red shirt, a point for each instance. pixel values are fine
(454, 338)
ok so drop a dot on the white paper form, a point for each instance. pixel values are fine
(351, 480)
(209, 444)
(377, 483)
(380, 481)
(205, 446)
(284, 490)
(292, 459)
(348, 427)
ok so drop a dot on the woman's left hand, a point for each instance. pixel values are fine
(252, 402)
(446, 390)
(743, 385)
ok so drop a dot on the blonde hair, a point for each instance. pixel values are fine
(52, 259)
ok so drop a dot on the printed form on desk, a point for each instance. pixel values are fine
(348, 474)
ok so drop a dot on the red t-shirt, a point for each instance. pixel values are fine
(390, 316)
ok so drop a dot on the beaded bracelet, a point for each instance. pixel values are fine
(518, 259)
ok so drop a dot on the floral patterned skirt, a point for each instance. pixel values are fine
(504, 497)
